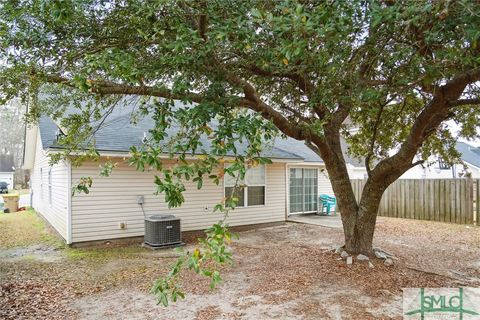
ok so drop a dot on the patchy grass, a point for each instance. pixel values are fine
(104, 254)
(25, 228)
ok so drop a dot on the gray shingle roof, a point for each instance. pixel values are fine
(48, 130)
(118, 134)
(6, 163)
(469, 153)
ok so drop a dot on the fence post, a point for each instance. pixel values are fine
(477, 202)
(470, 196)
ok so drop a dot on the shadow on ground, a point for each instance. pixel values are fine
(281, 272)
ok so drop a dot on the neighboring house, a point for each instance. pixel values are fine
(438, 169)
(356, 166)
(290, 185)
(7, 170)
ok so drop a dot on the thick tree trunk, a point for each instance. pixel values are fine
(359, 234)
(360, 239)
(358, 217)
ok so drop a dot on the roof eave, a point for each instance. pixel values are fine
(126, 154)
(471, 165)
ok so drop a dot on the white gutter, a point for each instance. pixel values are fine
(30, 144)
(286, 193)
(306, 164)
(120, 154)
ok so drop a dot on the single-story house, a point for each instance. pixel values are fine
(289, 185)
(438, 169)
(7, 170)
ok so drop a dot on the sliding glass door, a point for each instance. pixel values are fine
(303, 190)
(296, 190)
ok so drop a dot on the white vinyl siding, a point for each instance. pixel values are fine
(113, 200)
(50, 190)
(50, 185)
(41, 183)
(324, 184)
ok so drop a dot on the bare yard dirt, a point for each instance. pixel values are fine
(285, 272)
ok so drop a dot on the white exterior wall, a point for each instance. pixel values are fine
(434, 172)
(56, 212)
(357, 172)
(113, 200)
(324, 185)
(8, 178)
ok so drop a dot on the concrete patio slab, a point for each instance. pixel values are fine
(324, 221)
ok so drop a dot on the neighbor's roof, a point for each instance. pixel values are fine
(469, 153)
(6, 163)
(118, 134)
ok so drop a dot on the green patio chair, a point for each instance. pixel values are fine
(328, 204)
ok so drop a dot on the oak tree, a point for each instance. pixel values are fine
(386, 75)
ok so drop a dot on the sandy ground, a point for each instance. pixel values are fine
(285, 272)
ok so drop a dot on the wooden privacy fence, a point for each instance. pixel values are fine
(445, 200)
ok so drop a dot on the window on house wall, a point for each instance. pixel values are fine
(50, 185)
(251, 191)
(443, 165)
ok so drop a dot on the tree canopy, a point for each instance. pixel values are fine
(386, 75)
(297, 59)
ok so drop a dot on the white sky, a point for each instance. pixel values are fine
(454, 128)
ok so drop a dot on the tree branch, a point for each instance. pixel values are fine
(202, 26)
(463, 102)
(416, 163)
(111, 88)
(267, 112)
(251, 100)
(303, 84)
(388, 170)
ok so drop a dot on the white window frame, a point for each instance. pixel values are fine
(245, 190)
(50, 185)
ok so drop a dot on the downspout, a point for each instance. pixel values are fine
(69, 202)
(25, 142)
(286, 192)
(31, 191)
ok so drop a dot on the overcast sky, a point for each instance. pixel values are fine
(454, 127)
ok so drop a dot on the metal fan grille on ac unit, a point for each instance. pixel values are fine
(162, 230)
